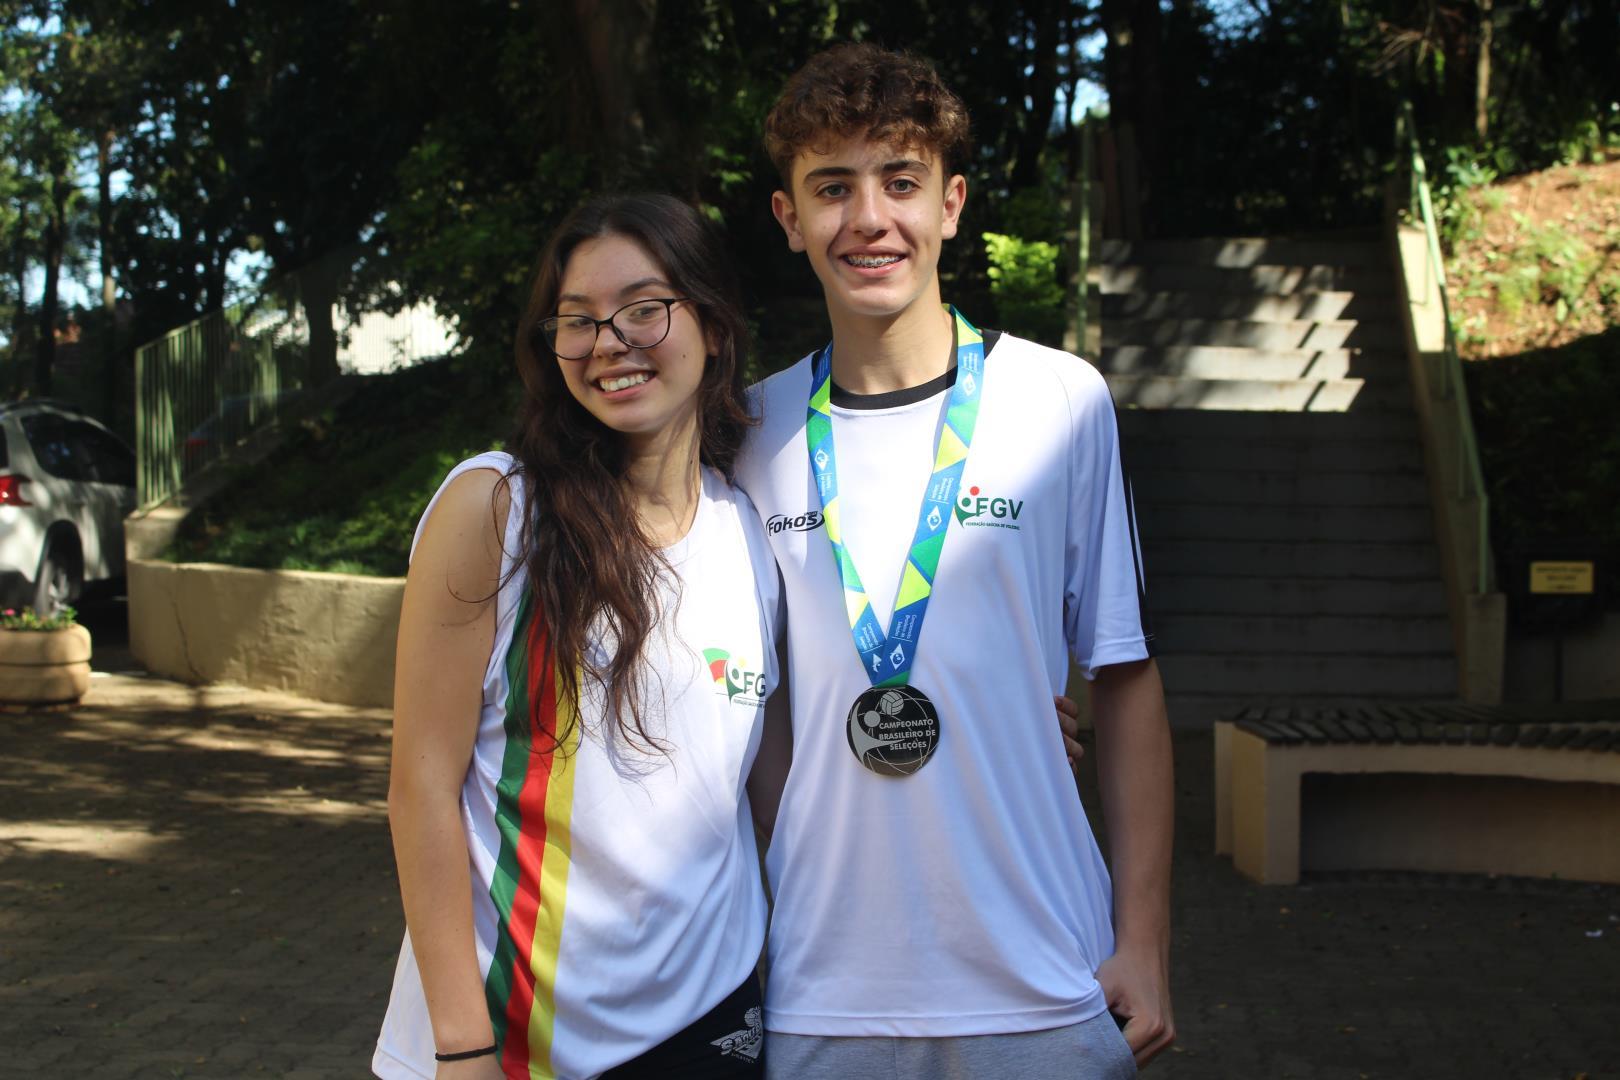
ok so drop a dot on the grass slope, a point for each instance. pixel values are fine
(1535, 260)
(344, 492)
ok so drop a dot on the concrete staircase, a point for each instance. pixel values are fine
(1270, 435)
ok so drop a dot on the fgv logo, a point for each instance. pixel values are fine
(733, 678)
(978, 509)
(777, 523)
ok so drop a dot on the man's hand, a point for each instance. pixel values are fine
(1069, 723)
(1137, 983)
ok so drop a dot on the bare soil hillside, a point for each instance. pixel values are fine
(1535, 260)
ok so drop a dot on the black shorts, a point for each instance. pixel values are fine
(729, 1040)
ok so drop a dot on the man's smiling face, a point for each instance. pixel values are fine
(871, 217)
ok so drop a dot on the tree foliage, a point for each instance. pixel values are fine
(165, 154)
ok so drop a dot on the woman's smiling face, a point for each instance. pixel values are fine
(644, 394)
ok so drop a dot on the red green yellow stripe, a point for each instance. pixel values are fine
(534, 805)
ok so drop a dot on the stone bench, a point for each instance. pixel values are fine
(1524, 791)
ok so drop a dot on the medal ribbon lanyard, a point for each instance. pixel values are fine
(888, 656)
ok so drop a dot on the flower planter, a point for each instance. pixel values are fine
(44, 667)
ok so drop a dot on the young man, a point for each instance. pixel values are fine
(941, 907)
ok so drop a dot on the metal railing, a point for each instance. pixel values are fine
(1446, 366)
(204, 388)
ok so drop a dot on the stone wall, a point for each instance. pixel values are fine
(325, 636)
(1589, 668)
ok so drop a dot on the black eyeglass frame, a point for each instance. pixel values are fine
(547, 328)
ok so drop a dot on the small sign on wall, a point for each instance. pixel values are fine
(1554, 584)
(1568, 578)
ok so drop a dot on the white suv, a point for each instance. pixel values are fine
(66, 485)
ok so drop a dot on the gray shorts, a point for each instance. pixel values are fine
(1092, 1050)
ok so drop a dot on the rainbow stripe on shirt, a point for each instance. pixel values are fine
(534, 807)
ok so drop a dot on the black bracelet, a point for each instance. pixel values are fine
(463, 1055)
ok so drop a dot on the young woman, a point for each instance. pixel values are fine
(587, 641)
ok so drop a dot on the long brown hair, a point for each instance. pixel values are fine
(593, 573)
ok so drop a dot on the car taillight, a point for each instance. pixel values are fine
(11, 490)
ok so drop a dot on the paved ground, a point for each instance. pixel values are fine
(197, 883)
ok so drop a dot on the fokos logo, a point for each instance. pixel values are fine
(805, 522)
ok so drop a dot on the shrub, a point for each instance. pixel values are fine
(1025, 286)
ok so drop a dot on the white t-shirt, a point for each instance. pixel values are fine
(970, 897)
(616, 893)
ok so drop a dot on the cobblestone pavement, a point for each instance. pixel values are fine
(196, 882)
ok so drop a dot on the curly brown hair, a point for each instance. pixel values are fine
(862, 90)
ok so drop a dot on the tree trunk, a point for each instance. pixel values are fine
(55, 241)
(1147, 27)
(1042, 93)
(615, 37)
(1131, 63)
(109, 344)
(1452, 30)
(1482, 73)
(214, 278)
(19, 314)
(109, 288)
(318, 292)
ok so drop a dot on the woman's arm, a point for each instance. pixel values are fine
(446, 631)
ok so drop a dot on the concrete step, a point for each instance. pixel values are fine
(1144, 453)
(1252, 334)
(1427, 676)
(1275, 488)
(1370, 635)
(1300, 428)
(1285, 524)
(1306, 304)
(1246, 251)
(1258, 395)
(1325, 558)
(1229, 362)
(1269, 279)
(1205, 594)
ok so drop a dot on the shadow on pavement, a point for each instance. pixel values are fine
(197, 882)
(193, 882)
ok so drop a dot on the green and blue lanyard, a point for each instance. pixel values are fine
(887, 657)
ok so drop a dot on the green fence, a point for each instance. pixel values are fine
(203, 389)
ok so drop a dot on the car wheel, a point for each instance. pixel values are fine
(60, 581)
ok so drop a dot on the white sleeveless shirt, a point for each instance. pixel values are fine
(616, 893)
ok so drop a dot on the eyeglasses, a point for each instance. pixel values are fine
(640, 324)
